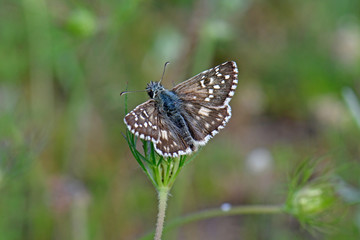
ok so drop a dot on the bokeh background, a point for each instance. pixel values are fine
(65, 169)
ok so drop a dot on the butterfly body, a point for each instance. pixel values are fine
(177, 121)
(170, 107)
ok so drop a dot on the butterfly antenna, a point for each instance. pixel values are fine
(125, 92)
(164, 71)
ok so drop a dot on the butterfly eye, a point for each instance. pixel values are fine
(150, 93)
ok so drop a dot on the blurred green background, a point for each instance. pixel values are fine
(65, 169)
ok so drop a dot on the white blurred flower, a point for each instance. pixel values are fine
(259, 160)
(225, 207)
(346, 45)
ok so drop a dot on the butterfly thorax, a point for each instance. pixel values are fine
(167, 101)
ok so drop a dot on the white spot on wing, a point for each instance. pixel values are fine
(164, 134)
(204, 111)
(216, 87)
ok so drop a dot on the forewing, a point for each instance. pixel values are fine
(146, 122)
(143, 121)
(214, 87)
(204, 122)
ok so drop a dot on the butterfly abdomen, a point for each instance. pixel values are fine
(181, 127)
(170, 106)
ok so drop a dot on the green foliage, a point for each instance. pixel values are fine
(63, 64)
(162, 171)
(81, 23)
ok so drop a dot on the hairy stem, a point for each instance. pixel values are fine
(163, 196)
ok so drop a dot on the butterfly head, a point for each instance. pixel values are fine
(154, 88)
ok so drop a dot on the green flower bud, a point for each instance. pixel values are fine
(81, 23)
(311, 200)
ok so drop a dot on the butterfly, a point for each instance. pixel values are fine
(180, 120)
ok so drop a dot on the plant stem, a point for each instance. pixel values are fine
(163, 196)
(211, 213)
